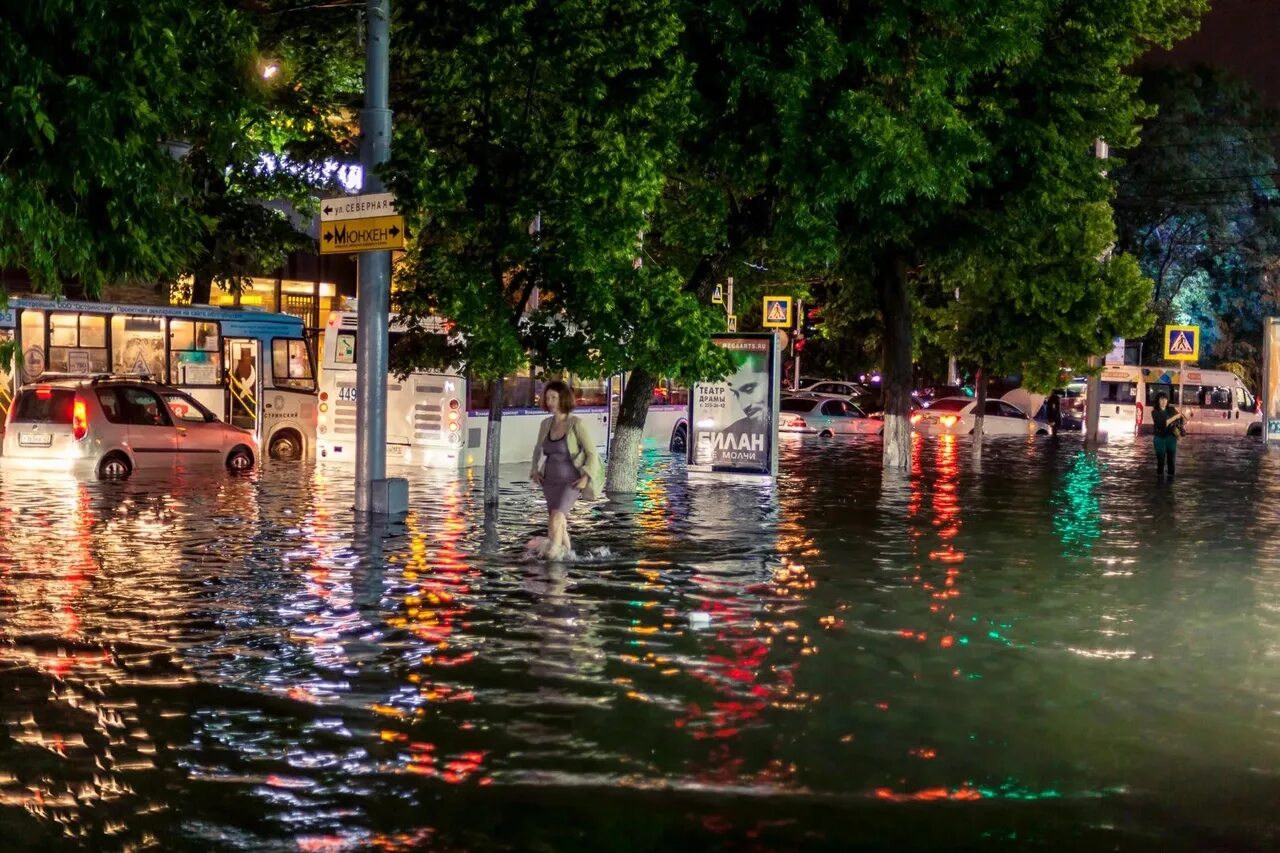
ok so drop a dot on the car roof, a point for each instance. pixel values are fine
(78, 380)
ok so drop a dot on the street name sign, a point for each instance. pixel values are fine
(375, 234)
(777, 312)
(357, 207)
(1182, 343)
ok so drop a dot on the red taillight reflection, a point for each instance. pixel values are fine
(79, 420)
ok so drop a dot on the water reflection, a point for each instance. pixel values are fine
(238, 664)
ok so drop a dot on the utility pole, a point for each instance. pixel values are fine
(374, 492)
(795, 339)
(1093, 389)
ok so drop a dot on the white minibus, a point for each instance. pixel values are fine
(1214, 402)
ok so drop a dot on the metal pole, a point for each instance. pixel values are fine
(796, 352)
(728, 296)
(1093, 389)
(374, 296)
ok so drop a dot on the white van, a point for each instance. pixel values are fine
(1214, 402)
(1119, 406)
(1217, 401)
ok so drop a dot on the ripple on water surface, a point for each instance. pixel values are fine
(1031, 646)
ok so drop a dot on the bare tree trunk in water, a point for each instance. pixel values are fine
(493, 444)
(980, 408)
(628, 433)
(894, 296)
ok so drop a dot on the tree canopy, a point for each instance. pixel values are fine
(1198, 206)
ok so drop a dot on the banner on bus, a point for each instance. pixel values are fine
(734, 422)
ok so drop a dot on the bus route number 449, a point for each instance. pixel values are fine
(347, 393)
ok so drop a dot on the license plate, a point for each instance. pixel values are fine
(35, 440)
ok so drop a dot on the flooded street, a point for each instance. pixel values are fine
(1043, 648)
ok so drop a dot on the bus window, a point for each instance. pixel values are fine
(137, 346)
(1245, 401)
(1212, 397)
(1155, 389)
(32, 345)
(77, 343)
(1119, 392)
(291, 365)
(195, 353)
(590, 392)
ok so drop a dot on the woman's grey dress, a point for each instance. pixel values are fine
(559, 475)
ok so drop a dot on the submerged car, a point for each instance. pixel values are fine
(957, 415)
(113, 426)
(825, 416)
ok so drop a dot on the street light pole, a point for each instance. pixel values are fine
(374, 493)
(1093, 389)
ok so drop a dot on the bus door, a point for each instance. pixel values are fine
(244, 383)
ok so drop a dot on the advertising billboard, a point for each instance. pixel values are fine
(1271, 379)
(735, 421)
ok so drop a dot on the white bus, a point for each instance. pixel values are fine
(252, 368)
(1214, 402)
(426, 418)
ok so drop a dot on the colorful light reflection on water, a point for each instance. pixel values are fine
(1036, 646)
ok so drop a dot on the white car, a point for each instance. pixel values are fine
(825, 416)
(111, 426)
(956, 415)
(833, 388)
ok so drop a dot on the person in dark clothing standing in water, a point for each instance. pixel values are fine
(1165, 419)
(1053, 411)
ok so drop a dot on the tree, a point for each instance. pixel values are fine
(530, 144)
(87, 190)
(1197, 205)
(900, 119)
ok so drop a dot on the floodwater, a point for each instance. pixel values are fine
(1037, 649)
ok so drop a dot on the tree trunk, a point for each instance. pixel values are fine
(493, 444)
(628, 433)
(894, 296)
(202, 288)
(980, 409)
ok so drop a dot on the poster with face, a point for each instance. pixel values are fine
(734, 421)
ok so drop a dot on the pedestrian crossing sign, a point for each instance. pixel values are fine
(717, 296)
(1182, 343)
(777, 312)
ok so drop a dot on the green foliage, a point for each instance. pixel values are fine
(93, 87)
(511, 114)
(1198, 206)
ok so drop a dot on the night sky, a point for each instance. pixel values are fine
(1241, 36)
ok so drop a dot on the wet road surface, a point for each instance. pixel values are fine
(1039, 648)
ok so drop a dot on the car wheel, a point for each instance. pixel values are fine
(115, 466)
(286, 446)
(1042, 432)
(240, 459)
(680, 439)
(1255, 431)
(826, 433)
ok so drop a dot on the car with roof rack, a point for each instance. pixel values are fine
(114, 425)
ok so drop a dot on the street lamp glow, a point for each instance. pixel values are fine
(270, 70)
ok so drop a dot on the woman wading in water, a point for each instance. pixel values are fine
(564, 463)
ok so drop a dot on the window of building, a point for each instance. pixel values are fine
(195, 353)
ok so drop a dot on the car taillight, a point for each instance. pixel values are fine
(44, 393)
(948, 420)
(797, 421)
(915, 419)
(79, 419)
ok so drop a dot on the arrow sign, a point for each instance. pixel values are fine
(376, 234)
(357, 207)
